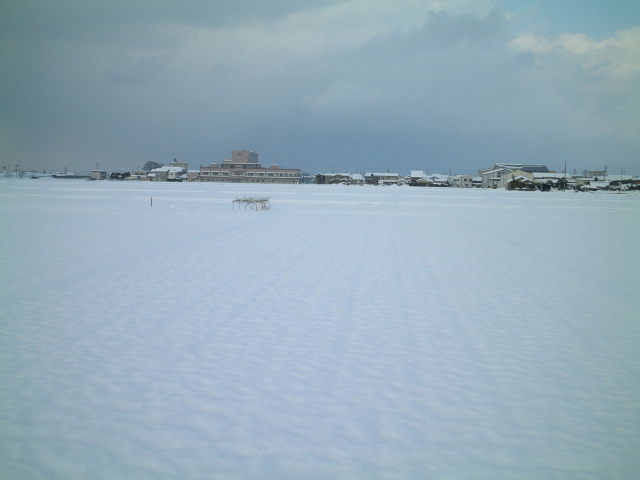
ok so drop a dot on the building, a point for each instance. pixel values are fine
(339, 178)
(97, 175)
(502, 173)
(383, 179)
(176, 163)
(244, 167)
(417, 178)
(549, 180)
(438, 180)
(174, 172)
(461, 181)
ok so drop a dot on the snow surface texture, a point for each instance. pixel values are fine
(347, 333)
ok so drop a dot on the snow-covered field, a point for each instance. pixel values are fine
(347, 333)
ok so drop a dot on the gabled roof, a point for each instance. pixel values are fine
(522, 166)
(436, 177)
(495, 170)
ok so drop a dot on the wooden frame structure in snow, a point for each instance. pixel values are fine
(252, 203)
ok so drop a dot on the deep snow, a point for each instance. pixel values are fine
(347, 333)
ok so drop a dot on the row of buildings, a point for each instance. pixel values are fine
(510, 176)
(516, 176)
(244, 167)
(417, 178)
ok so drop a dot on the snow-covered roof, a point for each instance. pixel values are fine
(168, 169)
(618, 178)
(549, 175)
(436, 177)
(353, 176)
(495, 170)
(526, 167)
(417, 174)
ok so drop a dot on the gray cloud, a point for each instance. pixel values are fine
(343, 84)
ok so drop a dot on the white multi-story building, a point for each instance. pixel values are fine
(243, 167)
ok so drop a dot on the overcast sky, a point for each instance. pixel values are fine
(344, 85)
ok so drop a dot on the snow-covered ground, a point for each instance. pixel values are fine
(347, 333)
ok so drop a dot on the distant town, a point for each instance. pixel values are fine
(244, 167)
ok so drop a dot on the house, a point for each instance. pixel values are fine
(167, 174)
(502, 173)
(595, 185)
(174, 172)
(384, 179)
(438, 180)
(137, 175)
(97, 175)
(119, 175)
(461, 181)
(546, 181)
(520, 182)
(243, 167)
(339, 178)
(357, 179)
(417, 178)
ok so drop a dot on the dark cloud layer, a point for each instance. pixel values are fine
(334, 84)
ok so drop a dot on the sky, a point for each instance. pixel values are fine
(322, 85)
